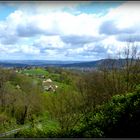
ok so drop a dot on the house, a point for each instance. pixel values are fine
(17, 86)
(47, 81)
(49, 85)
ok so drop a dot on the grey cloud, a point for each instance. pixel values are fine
(109, 28)
(44, 47)
(128, 37)
(8, 36)
(99, 48)
(7, 40)
(97, 51)
(45, 50)
(31, 29)
(74, 39)
(28, 30)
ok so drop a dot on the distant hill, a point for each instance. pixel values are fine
(118, 63)
(83, 64)
(41, 63)
(4, 64)
(64, 64)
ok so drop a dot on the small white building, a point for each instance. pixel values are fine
(17, 86)
(49, 86)
(47, 81)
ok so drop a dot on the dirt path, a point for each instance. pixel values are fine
(12, 131)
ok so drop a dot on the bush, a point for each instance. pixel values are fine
(117, 118)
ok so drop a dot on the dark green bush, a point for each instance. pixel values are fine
(117, 118)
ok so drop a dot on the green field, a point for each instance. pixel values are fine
(37, 71)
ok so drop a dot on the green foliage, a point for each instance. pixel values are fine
(20, 96)
(103, 103)
(63, 107)
(113, 118)
(6, 122)
(45, 128)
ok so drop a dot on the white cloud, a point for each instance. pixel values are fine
(51, 29)
(55, 23)
(49, 42)
(126, 17)
(7, 49)
(25, 49)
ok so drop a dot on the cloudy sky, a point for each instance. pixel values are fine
(67, 30)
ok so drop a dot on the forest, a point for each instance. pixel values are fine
(101, 103)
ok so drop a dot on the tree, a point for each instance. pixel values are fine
(4, 76)
(64, 108)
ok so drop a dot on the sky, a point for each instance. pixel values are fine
(82, 31)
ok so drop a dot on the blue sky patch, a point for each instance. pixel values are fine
(5, 10)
